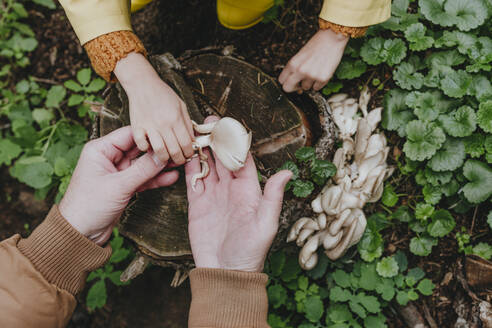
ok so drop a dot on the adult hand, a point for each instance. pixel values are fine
(231, 222)
(157, 113)
(314, 65)
(106, 177)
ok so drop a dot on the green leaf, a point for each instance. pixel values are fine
(373, 321)
(450, 157)
(386, 289)
(396, 51)
(466, 15)
(437, 179)
(370, 302)
(369, 277)
(55, 95)
(339, 313)
(396, 114)
(22, 86)
(412, 295)
(402, 297)
(277, 296)
(456, 83)
(357, 309)
(423, 211)
(427, 105)
(291, 269)
(401, 259)
(415, 34)
(72, 85)
(341, 278)
(442, 224)
(42, 116)
(460, 123)
(314, 308)
(390, 198)
(489, 219)
(402, 214)
(50, 4)
(96, 297)
(84, 76)
(8, 151)
(416, 273)
(407, 78)
(302, 189)
(119, 255)
(338, 294)
(426, 287)
(305, 154)
(479, 187)
(33, 171)
(387, 267)
(277, 262)
(463, 41)
(62, 167)
(291, 166)
(434, 11)
(321, 170)
(377, 50)
(115, 278)
(19, 9)
(95, 85)
(422, 245)
(75, 100)
(483, 250)
(484, 116)
(72, 134)
(481, 88)
(370, 246)
(423, 140)
(432, 194)
(350, 69)
(332, 87)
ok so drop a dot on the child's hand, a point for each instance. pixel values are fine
(314, 65)
(157, 114)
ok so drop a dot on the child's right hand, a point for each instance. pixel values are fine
(157, 113)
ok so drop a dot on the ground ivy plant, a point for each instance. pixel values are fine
(436, 56)
(97, 294)
(340, 294)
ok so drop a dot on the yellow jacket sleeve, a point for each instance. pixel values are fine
(356, 13)
(92, 18)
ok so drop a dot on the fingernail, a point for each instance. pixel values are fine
(157, 161)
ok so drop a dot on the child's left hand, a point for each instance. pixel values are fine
(314, 65)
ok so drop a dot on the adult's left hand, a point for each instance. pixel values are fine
(314, 65)
(107, 175)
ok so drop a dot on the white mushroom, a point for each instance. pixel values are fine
(228, 139)
(361, 171)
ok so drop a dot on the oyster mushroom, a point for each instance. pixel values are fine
(228, 139)
(361, 171)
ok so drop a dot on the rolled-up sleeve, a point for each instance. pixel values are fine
(92, 18)
(356, 13)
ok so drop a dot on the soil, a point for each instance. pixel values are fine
(175, 26)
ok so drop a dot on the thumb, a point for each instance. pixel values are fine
(271, 203)
(140, 171)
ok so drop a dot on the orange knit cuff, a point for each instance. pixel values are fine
(61, 254)
(106, 50)
(353, 32)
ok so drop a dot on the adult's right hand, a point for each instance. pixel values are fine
(231, 222)
(157, 113)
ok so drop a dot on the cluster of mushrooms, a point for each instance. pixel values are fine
(361, 171)
(227, 138)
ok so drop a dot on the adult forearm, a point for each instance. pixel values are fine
(40, 275)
